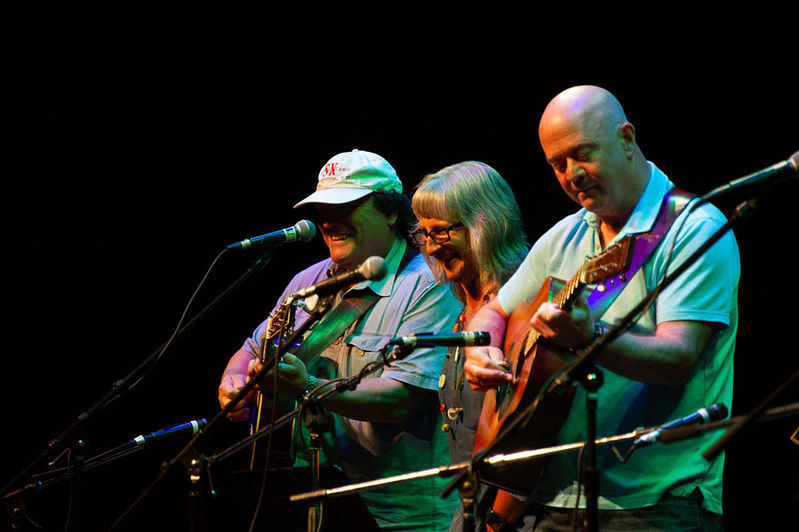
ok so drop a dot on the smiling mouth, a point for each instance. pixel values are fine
(446, 262)
(336, 234)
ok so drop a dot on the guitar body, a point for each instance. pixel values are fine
(533, 365)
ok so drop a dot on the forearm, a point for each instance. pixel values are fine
(237, 365)
(667, 357)
(380, 399)
(491, 319)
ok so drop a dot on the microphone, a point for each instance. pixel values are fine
(703, 415)
(302, 231)
(178, 431)
(776, 173)
(372, 269)
(466, 339)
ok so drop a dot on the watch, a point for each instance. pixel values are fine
(599, 332)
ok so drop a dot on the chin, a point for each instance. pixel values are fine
(340, 251)
(453, 274)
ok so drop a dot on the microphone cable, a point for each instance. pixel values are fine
(177, 329)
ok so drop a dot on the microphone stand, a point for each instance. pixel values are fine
(123, 385)
(70, 435)
(196, 468)
(584, 372)
(40, 481)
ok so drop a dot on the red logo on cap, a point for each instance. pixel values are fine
(330, 170)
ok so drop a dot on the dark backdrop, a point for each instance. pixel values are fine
(129, 168)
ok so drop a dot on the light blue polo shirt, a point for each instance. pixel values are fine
(707, 291)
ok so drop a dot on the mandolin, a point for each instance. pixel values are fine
(279, 328)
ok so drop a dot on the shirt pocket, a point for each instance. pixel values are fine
(364, 350)
(367, 346)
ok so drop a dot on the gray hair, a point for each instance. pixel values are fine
(475, 194)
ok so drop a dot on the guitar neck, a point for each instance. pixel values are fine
(563, 299)
(566, 295)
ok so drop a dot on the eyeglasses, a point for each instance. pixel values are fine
(439, 236)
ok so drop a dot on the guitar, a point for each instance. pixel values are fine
(533, 363)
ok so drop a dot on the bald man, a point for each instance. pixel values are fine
(675, 359)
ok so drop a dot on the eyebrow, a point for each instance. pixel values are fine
(572, 150)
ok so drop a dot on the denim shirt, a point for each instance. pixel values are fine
(410, 301)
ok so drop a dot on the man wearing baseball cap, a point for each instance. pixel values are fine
(389, 424)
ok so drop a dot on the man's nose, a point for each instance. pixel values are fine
(575, 174)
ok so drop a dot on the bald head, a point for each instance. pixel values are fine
(589, 143)
(586, 106)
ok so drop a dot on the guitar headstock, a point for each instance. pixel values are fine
(613, 260)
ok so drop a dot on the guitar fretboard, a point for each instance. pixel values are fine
(562, 299)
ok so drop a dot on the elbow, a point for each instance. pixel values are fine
(678, 370)
(406, 405)
(399, 415)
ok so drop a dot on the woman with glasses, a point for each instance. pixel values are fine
(471, 232)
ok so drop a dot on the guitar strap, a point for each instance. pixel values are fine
(603, 295)
(341, 317)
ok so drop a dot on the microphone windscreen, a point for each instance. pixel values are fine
(717, 411)
(793, 160)
(373, 268)
(306, 230)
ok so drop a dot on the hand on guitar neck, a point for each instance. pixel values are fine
(291, 373)
(568, 329)
(292, 381)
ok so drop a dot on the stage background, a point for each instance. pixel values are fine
(129, 167)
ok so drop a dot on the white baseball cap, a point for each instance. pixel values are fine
(352, 175)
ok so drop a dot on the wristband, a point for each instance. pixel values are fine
(312, 383)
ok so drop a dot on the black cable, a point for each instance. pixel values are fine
(174, 334)
(262, 491)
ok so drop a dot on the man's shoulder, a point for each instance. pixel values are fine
(564, 230)
(417, 270)
(318, 268)
(310, 275)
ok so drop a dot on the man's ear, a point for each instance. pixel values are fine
(626, 134)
